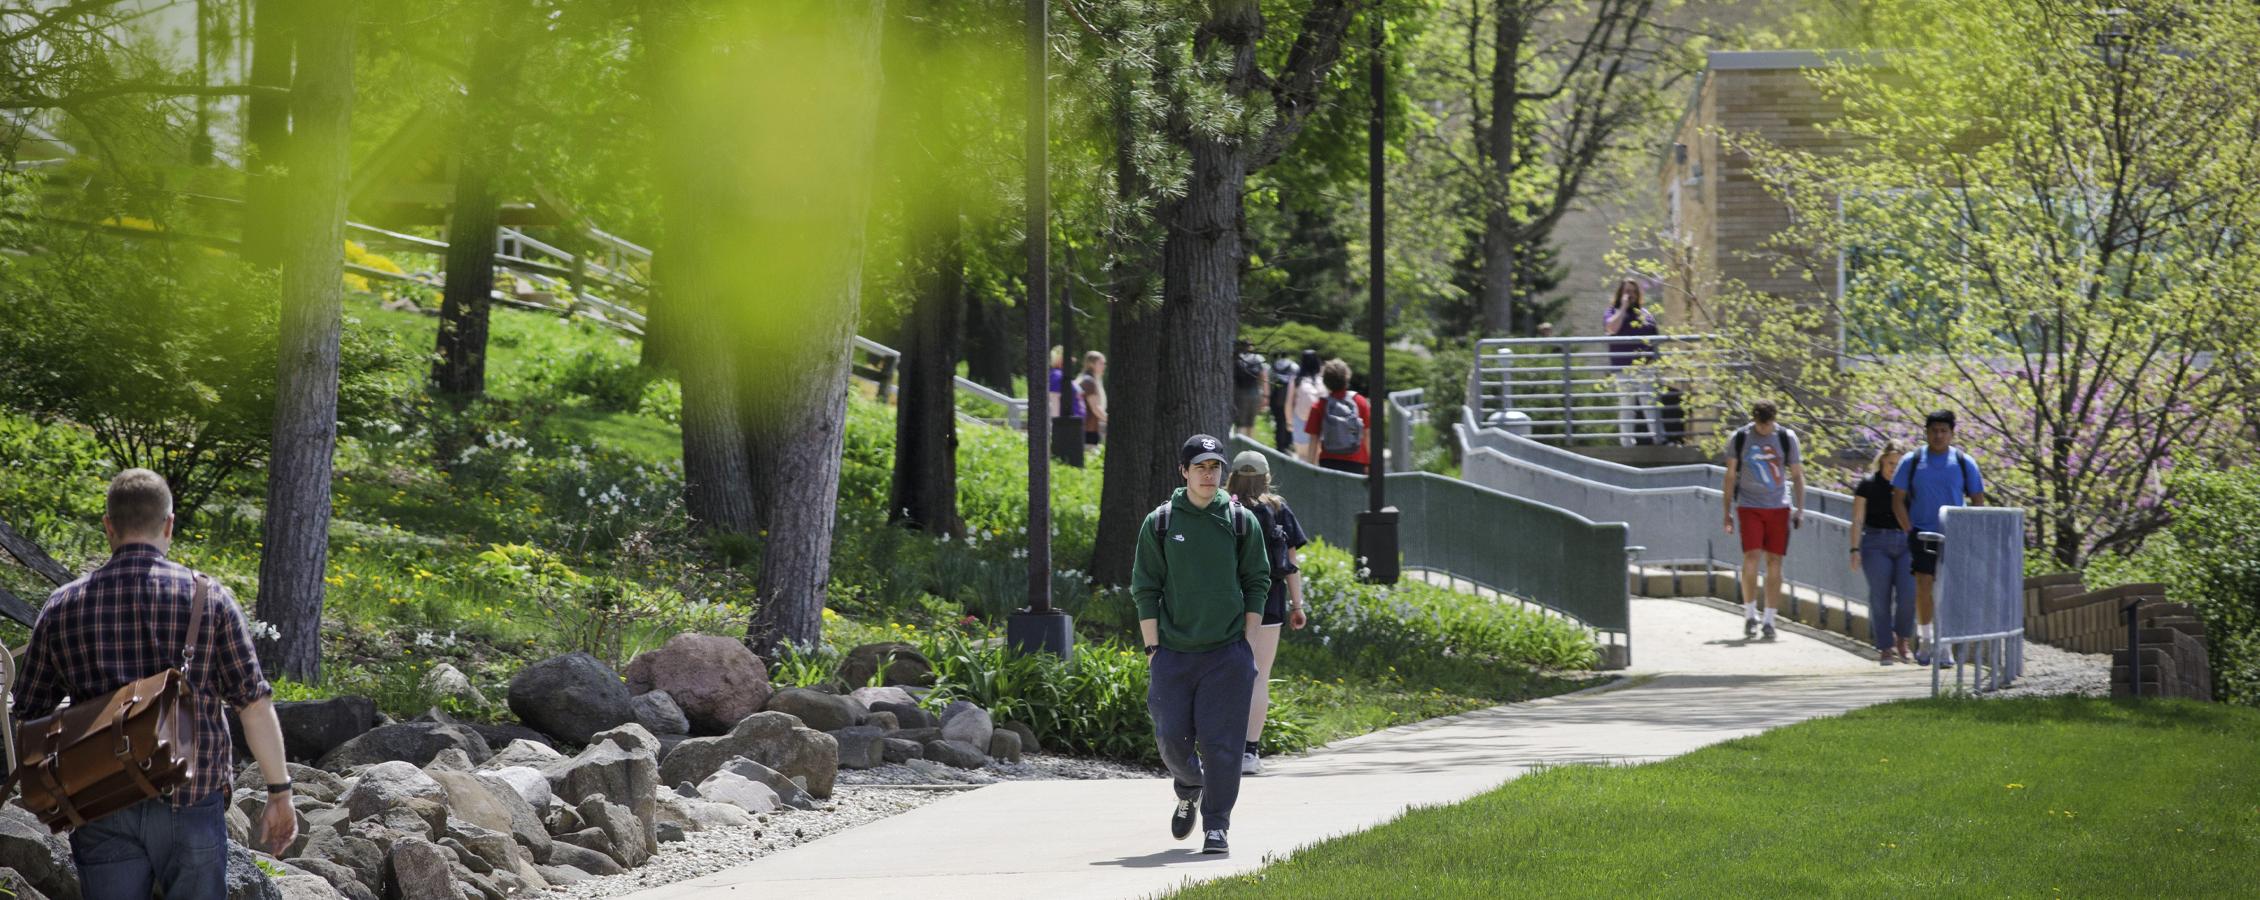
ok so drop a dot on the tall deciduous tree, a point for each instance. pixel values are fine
(1563, 83)
(297, 520)
(1225, 117)
(459, 368)
(2056, 242)
(770, 189)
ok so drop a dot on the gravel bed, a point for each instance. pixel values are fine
(860, 798)
(2050, 671)
(707, 852)
(1032, 767)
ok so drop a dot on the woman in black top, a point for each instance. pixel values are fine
(1879, 548)
(1282, 535)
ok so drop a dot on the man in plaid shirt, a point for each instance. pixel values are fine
(127, 620)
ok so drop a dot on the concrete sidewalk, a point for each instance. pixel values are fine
(1696, 683)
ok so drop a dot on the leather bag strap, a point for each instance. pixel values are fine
(195, 622)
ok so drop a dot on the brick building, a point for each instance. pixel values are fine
(1719, 218)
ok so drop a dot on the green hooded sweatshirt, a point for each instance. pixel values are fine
(1201, 581)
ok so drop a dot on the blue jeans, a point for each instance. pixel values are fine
(184, 850)
(1199, 703)
(1884, 558)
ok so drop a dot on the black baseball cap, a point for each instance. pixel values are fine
(1199, 448)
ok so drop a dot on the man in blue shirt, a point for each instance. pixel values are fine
(1928, 480)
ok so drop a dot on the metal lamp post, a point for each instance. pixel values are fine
(1039, 628)
(1377, 525)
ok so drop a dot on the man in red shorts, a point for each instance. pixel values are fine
(1764, 470)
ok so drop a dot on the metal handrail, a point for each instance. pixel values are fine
(1563, 389)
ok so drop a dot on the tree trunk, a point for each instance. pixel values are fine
(459, 369)
(924, 495)
(305, 434)
(266, 131)
(1500, 239)
(989, 343)
(1200, 308)
(691, 279)
(822, 77)
(1139, 470)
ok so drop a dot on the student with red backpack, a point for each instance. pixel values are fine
(1341, 424)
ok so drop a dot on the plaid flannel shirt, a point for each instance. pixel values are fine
(128, 620)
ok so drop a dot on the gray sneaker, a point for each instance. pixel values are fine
(1769, 632)
(1749, 629)
(1250, 764)
(1213, 843)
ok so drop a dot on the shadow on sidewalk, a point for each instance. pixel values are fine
(1169, 857)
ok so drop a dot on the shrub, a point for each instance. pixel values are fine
(610, 383)
(167, 358)
(1093, 705)
(2210, 563)
(1353, 619)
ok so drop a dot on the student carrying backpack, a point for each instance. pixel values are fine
(1341, 423)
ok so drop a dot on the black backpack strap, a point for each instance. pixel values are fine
(1739, 434)
(1161, 521)
(1968, 476)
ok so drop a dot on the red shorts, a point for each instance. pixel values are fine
(1763, 529)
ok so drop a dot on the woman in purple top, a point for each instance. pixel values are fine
(1629, 316)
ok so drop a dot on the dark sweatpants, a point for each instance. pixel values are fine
(1199, 703)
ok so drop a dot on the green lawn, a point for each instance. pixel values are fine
(2011, 798)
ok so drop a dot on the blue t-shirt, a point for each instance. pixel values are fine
(1941, 480)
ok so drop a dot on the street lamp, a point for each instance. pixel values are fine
(1039, 628)
(1377, 525)
(2114, 41)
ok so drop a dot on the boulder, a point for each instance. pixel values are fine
(529, 783)
(692, 814)
(897, 750)
(502, 735)
(561, 818)
(632, 837)
(452, 759)
(313, 728)
(17, 888)
(568, 853)
(573, 697)
(245, 880)
(340, 878)
(1027, 734)
(859, 746)
(306, 887)
(523, 753)
(902, 663)
(884, 721)
(388, 786)
(789, 790)
(818, 710)
(716, 681)
(562, 874)
(444, 681)
(871, 697)
(921, 735)
(588, 838)
(1004, 746)
(738, 791)
(656, 712)
(346, 860)
(419, 870)
(968, 724)
(306, 782)
(624, 767)
(907, 715)
(775, 740)
(494, 805)
(955, 753)
(416, 743)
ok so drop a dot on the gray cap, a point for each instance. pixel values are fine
(1252, 461)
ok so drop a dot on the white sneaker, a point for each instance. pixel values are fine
(1250, 764)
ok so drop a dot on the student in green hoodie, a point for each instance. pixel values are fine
(1200, 581)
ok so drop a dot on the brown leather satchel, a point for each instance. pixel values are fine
(103, 754)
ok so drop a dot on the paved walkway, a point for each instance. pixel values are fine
(1695, 682)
